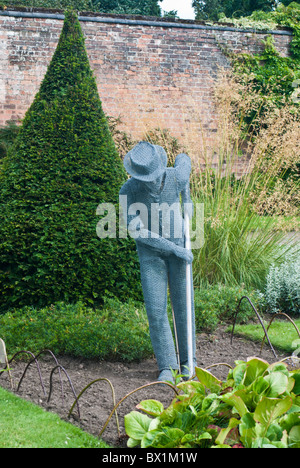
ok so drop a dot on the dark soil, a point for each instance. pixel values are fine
(96, 403)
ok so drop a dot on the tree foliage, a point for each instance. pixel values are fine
(213, 9)
(141, 7)
(62, 166)
(138, 7)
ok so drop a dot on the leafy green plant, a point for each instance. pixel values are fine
(217, 8)
(257, 406)
(283, 15)
(271, 78)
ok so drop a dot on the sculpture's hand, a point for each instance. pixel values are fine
(183, 253)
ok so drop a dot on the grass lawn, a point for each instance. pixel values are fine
(25, 425)
(282, 334)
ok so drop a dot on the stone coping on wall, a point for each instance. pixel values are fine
(97, 17)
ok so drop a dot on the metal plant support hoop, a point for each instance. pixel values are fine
(89, 385)
(131, 393)
(275, 316)
(70, 382)
(35, 360)
(259, 318)
(37, 365)
(218, 364)
(44, 351)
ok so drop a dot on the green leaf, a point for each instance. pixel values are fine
(131, 443)
(269, 409)
(260, 386)
(239, 373)
(136, 425)
(248, 421)
(152, 438)
(208, 380)
(278, 367)
(294, 437)
(204, 436)
(290, 420)
(152, 407)
(165, 438)
(255, 368)
(275, 432)
(278, 384)
(235, 401)
(210, 403)
(221, 446)
(296, 376)
(191, 386)
(224, 432)
(249, 430)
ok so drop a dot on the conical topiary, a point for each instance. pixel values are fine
(63, 165)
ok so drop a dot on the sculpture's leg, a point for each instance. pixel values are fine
(177, 275)
(154, 276)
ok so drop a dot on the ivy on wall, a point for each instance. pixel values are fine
(269, 74)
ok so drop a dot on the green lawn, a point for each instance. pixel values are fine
(282, 334)
(25, 425)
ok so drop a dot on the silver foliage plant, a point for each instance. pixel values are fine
(282, 292)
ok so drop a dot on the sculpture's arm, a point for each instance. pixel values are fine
(143, 236)
(163, 245)
(183, 169)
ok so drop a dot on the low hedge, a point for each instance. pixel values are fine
(117, 331)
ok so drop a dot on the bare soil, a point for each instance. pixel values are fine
(96, 404)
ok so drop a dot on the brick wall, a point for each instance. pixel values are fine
(151, 73)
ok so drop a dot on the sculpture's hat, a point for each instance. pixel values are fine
(146, 162)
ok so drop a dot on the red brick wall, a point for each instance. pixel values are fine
(150, 75)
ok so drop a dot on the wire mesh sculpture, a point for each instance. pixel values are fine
(153, 216)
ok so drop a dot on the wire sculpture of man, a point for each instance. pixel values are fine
(156, 196)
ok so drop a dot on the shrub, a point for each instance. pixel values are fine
(218, 302)
(283, 287)
(7, 137)
(116, 331)
(63, 165)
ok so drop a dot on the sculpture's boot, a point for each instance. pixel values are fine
(166, 376)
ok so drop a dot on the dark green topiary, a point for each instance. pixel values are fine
(63, 165)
